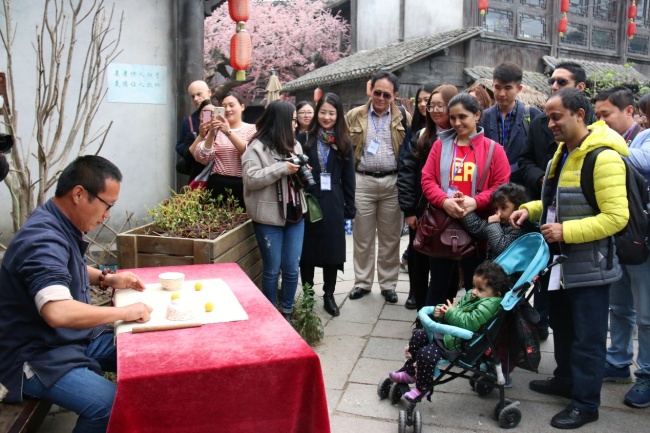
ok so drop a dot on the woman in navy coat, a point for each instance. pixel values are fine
(328, 146)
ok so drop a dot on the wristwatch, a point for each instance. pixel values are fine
(228, 132)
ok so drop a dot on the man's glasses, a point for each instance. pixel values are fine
(380, 94)
(560, 81)
(305, 113)
(432, 108)
(108, 206)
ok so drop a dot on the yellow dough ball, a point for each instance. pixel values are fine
(209, 306)
(175, 296)
(198, 286)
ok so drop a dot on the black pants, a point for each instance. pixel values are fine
(329, 276)
(419, 269)
(218, 184)
(445, 277)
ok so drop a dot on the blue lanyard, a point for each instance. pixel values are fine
(457, 167)
(378, 130)
(325, 155)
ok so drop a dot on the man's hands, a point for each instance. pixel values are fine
(411, 221)
(552, 232)
(124, 280)
(138, 312)
(518, 217)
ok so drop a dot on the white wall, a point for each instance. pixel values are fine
(142, 137)
(377, 23)
(424, 18)
(378, 20)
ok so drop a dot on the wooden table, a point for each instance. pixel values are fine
(256, 375)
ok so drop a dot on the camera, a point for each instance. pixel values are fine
(6, 142)
(303, 176)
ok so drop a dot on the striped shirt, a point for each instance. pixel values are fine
(227, 160)
(384, 158)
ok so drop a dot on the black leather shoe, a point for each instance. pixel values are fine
(358, 292)
(410, 304)
(389, 295)
(551, 386)
(572, 417)
(330, 305)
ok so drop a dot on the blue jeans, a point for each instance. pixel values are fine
(628, 296)
(578, 317)
(281, 248)
(83, 391)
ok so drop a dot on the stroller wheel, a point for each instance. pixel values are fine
(509, 417)
(401, 426)
(383, 388)
(483, 389)
(498, 408)
(396, 392)
(417, 422)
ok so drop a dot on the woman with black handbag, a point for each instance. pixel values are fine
(329, 149)
(458, 159)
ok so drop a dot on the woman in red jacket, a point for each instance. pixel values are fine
(457, 160)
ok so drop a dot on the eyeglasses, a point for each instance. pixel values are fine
(305, 113)
(108, 206)
(380, 94)
(560, 81)
(432, 108)
(294, 120)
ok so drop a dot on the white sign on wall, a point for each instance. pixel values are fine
(136, 84)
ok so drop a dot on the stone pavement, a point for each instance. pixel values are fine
(367, 341)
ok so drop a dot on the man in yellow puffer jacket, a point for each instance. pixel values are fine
(578, 308)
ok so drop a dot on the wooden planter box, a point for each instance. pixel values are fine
(139, 250)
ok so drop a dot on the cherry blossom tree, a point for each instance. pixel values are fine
(293, 37)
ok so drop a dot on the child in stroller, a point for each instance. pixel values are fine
(478, 306)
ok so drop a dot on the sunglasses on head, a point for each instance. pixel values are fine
(380, 94)
(560, 81)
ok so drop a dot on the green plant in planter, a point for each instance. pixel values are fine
(193, 213)
(304, 320)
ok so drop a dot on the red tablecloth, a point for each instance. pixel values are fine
(256, 375)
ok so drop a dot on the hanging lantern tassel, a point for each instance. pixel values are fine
(482, 6)
(240, 51)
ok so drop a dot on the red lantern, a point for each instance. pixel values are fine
(631, 11)
(562, 26)
(482, 6)
(240, 52)
(318, 93)
(631, 29)
(239, 10)
(564, 6)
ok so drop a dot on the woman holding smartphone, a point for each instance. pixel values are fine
(275, 202)
(224, 144)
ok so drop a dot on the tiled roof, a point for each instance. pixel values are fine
(389, 58)
(626, 74)
(535, 80)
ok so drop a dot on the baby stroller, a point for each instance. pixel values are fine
(526, 260)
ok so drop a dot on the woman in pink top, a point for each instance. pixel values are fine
(225, 142)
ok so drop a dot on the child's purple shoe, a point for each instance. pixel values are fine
(413, 394)
(400, 377)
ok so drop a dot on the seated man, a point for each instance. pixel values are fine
(54, 344)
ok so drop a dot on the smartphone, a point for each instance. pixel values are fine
(206, 116)
(220, 111)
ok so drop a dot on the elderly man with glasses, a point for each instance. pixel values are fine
(377, 130)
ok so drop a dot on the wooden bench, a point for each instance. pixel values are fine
(25, 417)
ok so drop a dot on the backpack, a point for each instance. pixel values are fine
(632, 247)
